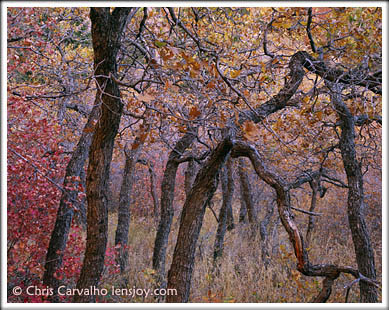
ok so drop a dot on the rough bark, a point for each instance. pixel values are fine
(180, 273)
(69, 201)
(246, 192)
(190, 174)
(167, 210)
(355, 202)
(227, 183)
(107, 29)
(124, 213)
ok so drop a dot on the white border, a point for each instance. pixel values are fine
(6, 4)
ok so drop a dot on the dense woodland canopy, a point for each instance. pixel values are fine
(229, 154)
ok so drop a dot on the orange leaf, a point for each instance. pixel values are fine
(194, 112)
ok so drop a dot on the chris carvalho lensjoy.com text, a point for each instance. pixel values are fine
(92, 290)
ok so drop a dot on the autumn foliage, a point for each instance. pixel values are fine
(196, 104)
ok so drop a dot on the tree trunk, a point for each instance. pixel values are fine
(227, 183)
(246, 192)
(153, 187)
(153, 190)
(167, 210)
(263, 230)
(180, 273)
(355, 202)
(243, 208)
(311, 222)
(124, 213)
(69, 200)
(107, 29)
(190, 174)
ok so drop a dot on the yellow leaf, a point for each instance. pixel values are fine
(192, 74)
(235, 73)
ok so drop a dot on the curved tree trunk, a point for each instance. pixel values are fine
(167, 211)
(282, 188)
(107, 29)
(180, 273)
(355, 202)
(69, 200)
(227, 183)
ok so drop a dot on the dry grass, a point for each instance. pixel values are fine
(242, 276)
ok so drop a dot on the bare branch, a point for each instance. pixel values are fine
(311, 41)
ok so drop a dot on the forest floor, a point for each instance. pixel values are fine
(242, 275)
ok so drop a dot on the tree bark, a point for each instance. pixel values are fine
(124, 213)
(190, 174)
(246, 192)
(263, 227)
(107, 29)
(243, 208)
(167, 210)
(355, 202)
(153, 190)
(311, 222)
(153, 187)
(227, 183)
(68, 202)
(180, 273)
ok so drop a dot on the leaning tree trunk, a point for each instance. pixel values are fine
(167, 210)
(227, 183)
(67, 205)
(107, 30)
(124, 214)
(205, 184)
(355, 202)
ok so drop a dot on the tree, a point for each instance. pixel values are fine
(227, 183)
(107, 29)
(167, 211)
(121, 236)
(205, 184)
(69, 204)
(355, 202)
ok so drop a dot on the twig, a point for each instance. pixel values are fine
(37, 169)
(306, 212)
(214, 213)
